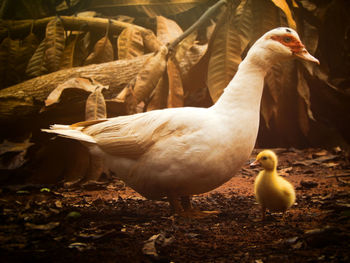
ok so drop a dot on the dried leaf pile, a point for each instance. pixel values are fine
(112, 222)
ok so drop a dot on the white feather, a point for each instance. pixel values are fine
(68, 132)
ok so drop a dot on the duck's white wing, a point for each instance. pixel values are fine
(131, 136)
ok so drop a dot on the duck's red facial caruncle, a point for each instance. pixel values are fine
(289, 41)
(296, 47)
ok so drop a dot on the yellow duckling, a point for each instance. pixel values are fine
(271, 190)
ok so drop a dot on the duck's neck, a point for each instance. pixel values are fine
(272, 170)
(245, 90)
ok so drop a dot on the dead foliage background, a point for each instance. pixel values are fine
(303, 105)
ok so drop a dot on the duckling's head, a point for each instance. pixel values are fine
(267, 159)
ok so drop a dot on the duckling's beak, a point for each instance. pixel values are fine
(255, 163)
(305, 55)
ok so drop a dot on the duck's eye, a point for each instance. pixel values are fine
(287, 39)
(264, 158)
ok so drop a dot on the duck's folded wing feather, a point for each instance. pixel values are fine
(131, 136)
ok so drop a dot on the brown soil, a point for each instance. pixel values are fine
(112, 223)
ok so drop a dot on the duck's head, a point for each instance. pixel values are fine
(267, 159)
(282, 43)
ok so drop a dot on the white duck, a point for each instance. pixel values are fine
(179, 152)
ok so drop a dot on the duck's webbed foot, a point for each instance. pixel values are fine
(183, 208)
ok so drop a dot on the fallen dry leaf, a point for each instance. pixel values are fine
(76, 83)
(148, 77)
(95, 107)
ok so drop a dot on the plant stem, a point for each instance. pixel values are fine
(208, 14)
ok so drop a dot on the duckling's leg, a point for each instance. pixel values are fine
(284, 219)
(263, 210)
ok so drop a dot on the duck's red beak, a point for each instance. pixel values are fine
(305, 55)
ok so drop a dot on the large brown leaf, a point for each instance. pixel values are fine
(36, 65)
(77, 83)
(29, 45)
(127, 97)
(14, 56)
(55, 42)
(14, 76)
(184, 46)
(285, 8)
(304, 105)
(95, 107)
(176, 92)
(272, 92)
(148, 77)
(167, 30)
(149, 8)
(150, 41)
(67, 60)
(82, 49)
(267, 16)
(277, 84)
(188, 54)
(231, 38)
(130, 43)
(19, 54)
(159, 96)
(18, 150)
(4, 58)
(103, 52)
(309, 37)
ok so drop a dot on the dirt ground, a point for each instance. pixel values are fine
(112, 223)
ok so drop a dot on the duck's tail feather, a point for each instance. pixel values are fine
(70, 132)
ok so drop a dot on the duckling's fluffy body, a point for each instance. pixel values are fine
(272, 191)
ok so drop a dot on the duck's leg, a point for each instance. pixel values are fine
(185, 209)
(189, 211)
(186, 203)
(175, 205)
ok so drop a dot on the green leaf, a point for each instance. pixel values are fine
(73, 215)
(23, 192)
(47, 190)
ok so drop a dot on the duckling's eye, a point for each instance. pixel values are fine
(264, 158)
(287, 39)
